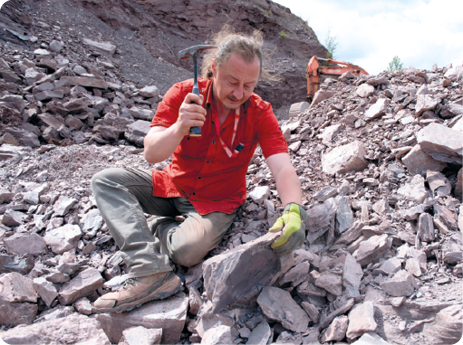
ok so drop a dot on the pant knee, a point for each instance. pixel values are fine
(186, 258)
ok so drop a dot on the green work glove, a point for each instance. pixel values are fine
(293, 224)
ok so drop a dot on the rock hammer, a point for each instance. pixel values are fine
(194, 52)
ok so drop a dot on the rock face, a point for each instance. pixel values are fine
(82, 285)
(74, 329)
(441, 143)
(248, 268)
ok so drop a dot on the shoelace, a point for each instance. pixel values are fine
(129, 281)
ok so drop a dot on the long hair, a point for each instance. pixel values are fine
(229, 42)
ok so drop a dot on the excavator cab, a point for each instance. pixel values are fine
(332, 69)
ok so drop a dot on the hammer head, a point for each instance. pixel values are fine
(193, 51)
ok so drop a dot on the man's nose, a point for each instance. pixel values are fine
(238, 92)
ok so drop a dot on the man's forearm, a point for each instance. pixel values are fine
(288, 186)
(161, 142)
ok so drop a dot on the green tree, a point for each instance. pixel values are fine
(395, 64)
(330, 45)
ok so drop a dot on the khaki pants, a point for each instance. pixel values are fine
(124, 195)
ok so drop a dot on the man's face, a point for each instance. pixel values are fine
(234, 81)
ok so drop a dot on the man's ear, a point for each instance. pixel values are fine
(214, 68)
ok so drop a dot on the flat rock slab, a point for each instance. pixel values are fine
(377, 109)
(278, 305)
(361, 320)
(415, 190)
(370, 338)
(23, 243)
(401, 284)
(141, 336)
(16, 288)
(218, 335)
(330, 282)
(17, 313)
(82, 285)
(321, 215)
(345, 158)
(260, 335)
(372, 249)
(63, 238)
(419, 162)
(74, 329)
(136, 132)
(236, 277)
(441, 142)
(169, 315)
(336, 331)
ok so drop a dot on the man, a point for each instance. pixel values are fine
(206, 181)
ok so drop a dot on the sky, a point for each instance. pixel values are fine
(370, 33)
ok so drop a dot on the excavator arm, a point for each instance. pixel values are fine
(314, 71)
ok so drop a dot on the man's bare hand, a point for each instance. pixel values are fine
(191, 113)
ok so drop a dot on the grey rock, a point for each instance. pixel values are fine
(24, 137)
(321, 216)
(56, 46)
(86, 82)
(321, 95)
(91, 221)
(149, 91)
(312, 311)
(82, 285)
(336, 331)
(23, 243)
(259, 194)
(13, 218)
(5, 196)
(150, 315)
(372, 249)
(415, 190)
(296, 275)
(447, 327)
(137, 131)
(13, 101)
(341, 310)
(419, 162)
(10, 263)
(140, 113)
(16, 288)
(442, 143)
(389, 267)
(73, 329)
(438, 183)
(352, 273)
(330, 282)
(279, 306)
(46, 290)
(218, 335)
(365, 90)
(63, 238)
(260, 335)
(424, 103)
(63, 205)
(346, 158)
(376, 110)
(17, 314)
(370, 338)
(361, 320)
(141, 336)
(232, 269)
(83, 306)
(401, 284)
(426, 228)
(48, 95)
(325, 193)
(103, 46)
(344, 215)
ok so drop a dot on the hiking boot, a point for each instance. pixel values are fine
(136, 291)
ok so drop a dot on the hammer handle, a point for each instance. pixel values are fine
(195, 131)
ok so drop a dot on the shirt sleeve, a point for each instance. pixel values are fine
(269, 134)
(167, 112)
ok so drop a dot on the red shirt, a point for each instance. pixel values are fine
(201, 170)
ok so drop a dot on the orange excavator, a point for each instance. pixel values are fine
(333, 69)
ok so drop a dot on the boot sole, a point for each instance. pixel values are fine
(129, 307)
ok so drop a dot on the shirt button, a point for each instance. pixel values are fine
(213, 143)
(207, 162)
(194, 193)
(199, 178)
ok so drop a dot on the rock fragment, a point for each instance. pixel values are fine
(141, 336)
(441, 143)
(336, 331)
(401, 284)
(278, 305)
(361, 320)
(344, 159)
(82, 285)
(63, 238)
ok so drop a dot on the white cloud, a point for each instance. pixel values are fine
(370, 34)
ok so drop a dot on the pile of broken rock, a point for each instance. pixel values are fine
(379, 160)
